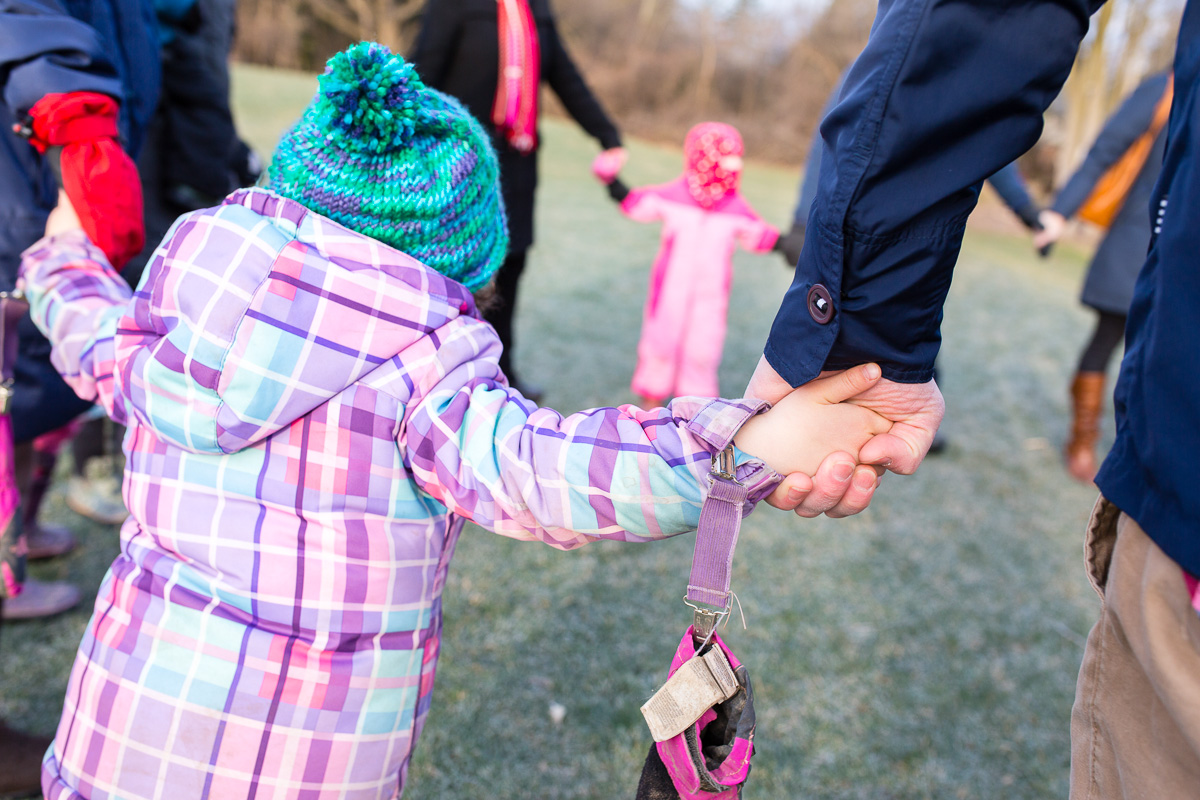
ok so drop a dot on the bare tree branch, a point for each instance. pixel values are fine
(327, 13)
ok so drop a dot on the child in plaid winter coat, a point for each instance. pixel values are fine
(314, 410)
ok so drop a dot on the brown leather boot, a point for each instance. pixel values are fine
(1087, 401)
(21, 765)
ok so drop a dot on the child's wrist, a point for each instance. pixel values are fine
(755, 474)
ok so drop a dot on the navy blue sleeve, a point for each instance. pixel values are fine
(43, 51)
(1122, 129)
(945, 93)
(1009, 184)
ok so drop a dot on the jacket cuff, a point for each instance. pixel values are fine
(50, 253)
(715, 422)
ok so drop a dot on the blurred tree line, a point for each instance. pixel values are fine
(660, 66)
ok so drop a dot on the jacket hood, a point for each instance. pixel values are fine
(257, 311)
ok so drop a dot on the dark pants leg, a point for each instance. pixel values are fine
(1110, 330)
(87, 444)
(501, 312)
(96, 438)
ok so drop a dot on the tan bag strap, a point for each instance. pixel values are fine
(1111, 190)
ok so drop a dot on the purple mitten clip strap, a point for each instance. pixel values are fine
(716, 537)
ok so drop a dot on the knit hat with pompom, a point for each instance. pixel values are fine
(386, 156)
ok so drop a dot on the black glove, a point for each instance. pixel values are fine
(791, 243)
(617, 190)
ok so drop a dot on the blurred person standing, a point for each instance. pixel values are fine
(192, 158)
(1108, 287)
(75, 86)
(900, 174)
(78, 87)
(463, 49)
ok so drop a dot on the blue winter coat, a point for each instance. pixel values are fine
(1114, 268)
(946, 93)
(105, 46)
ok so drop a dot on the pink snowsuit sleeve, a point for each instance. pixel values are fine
(755, 234)
(643, 205)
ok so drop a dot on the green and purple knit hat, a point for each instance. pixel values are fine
(386, 156)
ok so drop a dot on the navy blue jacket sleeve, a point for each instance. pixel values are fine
(1131, 119)
(945, 93)
(42, 51)
(1009, 184)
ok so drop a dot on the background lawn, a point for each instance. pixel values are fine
(926, 648)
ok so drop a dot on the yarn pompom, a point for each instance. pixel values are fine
(398, 161)
(370, 99)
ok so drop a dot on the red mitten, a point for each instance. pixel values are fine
(100, 178)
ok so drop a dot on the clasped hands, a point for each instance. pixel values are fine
(844, 429)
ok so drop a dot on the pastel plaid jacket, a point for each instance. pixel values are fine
(312, 416)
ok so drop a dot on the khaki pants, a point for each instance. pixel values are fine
(1135, 727)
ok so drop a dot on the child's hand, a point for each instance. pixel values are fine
(814, 421)
(608, 163)
(63, 217)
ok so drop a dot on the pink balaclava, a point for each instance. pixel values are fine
(712, 154)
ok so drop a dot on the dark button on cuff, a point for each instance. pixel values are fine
(820, 304)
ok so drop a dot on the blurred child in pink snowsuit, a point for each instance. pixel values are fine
(704, 217)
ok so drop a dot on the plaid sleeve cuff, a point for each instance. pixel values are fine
(51, 252)
(715, 422)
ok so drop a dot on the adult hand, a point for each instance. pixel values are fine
(916, 411)
(791, 243)
(1053, 224)
(766, 383)
(63, 217)
(841, 488)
